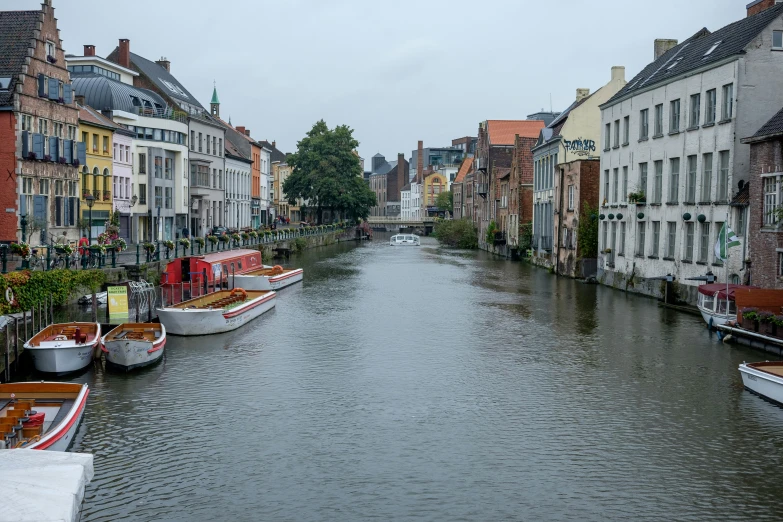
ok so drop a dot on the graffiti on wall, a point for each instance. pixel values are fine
(580, 147)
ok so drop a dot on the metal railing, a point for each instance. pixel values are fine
(166, 114)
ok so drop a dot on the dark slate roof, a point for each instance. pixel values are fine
(690, 54)
(742, 198)
(16, 31)
(406, 188)
(164, 80)
(105, 94)
(233, 151)
(276, 154)
(773, 126)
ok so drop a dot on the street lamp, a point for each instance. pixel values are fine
(90, 202)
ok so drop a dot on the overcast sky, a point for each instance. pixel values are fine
(396, 71)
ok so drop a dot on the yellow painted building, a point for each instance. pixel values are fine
(434, 184)
(97, 132)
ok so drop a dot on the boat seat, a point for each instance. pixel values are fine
(4, 403)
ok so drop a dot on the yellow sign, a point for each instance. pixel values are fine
(118, 301)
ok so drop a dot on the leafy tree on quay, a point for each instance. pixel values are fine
(327, 173)
(445, 201)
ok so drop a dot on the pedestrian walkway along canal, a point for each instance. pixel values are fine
(418, 383)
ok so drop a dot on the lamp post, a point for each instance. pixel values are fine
(132, 204)
(90, 202)
(23, 222)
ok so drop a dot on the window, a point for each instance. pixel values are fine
(643, 178)
(570, 197)
(770, 199)
(607, 136)
(158, 167)
(674, 180)
(158, 197)
(606, 186)
(706, 179)
(658, 182)
(714, 46)
(780, 264)
(688, 242)
(777, 39)
(671, 242)
(51, 49)
(214, 145)
(209, 148)
(674, 116)
(695, 110)
(605, 235)
(626, 129)
(728, 102)
(85, 138)
(616, 133)
(169, 168)
(658, 120)
(613, 243)
(142, 193)
(95, 143)
(44, 187)
(712, 102)
(200, 136)
(27, 123)
(690, 181)
(142, 163)
(27, 185)
(718, 227)
(114, 155)
(640, 239)
(621, 247)
(624, 193)
(220, 150)
(723, 176)
(740, 222)
(168, 196)
(615, 181)
(656, 238)
(644, 124)
(704, 243)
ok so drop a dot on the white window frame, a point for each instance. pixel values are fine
(771, 185)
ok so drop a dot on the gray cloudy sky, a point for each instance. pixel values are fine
(397, 71)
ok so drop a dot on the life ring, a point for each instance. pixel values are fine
(9, 297)
(236, 291)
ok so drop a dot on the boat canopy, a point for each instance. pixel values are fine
(720, 289)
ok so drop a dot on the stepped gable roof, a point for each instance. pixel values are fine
(17, 30)
(502, 132)
(164, 80)
(105, 94)
(703, 48)
(277, 154)
(466, 166)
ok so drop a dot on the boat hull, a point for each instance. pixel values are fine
(193, 322)
(714, 320)
(762, 383)
(60, 437)
(130, 354)
(63, 359)
(264, 283)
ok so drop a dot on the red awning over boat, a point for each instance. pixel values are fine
(720, 289)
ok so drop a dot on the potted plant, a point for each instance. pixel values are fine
(47, 157)
(236, 237)
(778, 322)
(169, 244)
(75, 163)
(185, 242)
(750, 318)
(62, 160)
(200, 242)
(637, 197)
(223, 238)
(212, 239)
(31, 156)
(253, 234)
(766, 323)
(119, 244)
(21, 249)
(149, 247)
(245, 236)
(51, 59)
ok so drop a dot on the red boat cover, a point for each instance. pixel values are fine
(721, 290)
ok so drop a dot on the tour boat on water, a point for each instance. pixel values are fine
(269, 278)
(64, 348)
(131, 346)
(764, 379)
(195, 273)
(218, 312)
(405, 240)
(40, 415)
(713, 301)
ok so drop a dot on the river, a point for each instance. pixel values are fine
(426, 384)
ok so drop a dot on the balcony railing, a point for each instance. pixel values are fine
(165, 114)
(200, 180)
(106, 195)
(96, 194)
(482, 189)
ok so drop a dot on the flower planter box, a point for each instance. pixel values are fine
(749, 324)
(769, 329)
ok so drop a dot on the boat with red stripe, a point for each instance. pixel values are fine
(41, 415)
(269, 278)
(134, 345)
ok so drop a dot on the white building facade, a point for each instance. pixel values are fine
(122, 170)
(672, 160)
(238, 184)
(267, 207)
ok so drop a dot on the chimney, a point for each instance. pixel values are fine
(163, 62)
(401, 177)
(247, 132)
(420, 162)
(125, 53)
(662, 46)
(758, 6)
(240, 130)
(618, 71)
(89, 50)
(274, 144)
(581, 94)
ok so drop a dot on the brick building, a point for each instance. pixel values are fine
(576, 192)
(39, 151)
(520, 205)
(765, 234)
(458, 189)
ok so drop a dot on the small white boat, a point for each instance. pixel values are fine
(222, 311)
(101, 298)
(64, 348)
(714, 300)
(41, 415)
(268, 278)
(764, 379)
(405, 240)
(131, 346)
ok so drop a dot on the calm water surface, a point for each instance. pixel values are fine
(423, 384)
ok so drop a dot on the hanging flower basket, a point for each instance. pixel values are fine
(212, 239)
(235, 236)
(21, 249)
(119, 244)
(200, 241)
(185, 242)
(169, 244)
(245, 236)
(149, 247)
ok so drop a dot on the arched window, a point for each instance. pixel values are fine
(96, 183)
(85, 181)
(734, 279)
(106, 183)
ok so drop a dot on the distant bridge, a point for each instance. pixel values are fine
(390, 224)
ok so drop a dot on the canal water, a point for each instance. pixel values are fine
(426, 384)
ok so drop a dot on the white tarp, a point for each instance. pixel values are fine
(43, 486)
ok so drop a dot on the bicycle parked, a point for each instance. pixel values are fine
(67, 256)
(38, 258)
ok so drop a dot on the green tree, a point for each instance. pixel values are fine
(445, 201)
(458, 233)
(587, 233)
(327, 173)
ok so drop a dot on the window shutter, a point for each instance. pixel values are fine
(25, 144)
(23, 205)
(82, 153)
(54, 148)
(58, 211)
(68, 94)
(78, 205)
(68, 151)
(41, 85)
(54, 89)
(38, 145)
(39, 207)
(72, 211)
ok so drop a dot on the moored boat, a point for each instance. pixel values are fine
(40, 415)
(269, 278)
(132, 345)
(405, 240)
(717, 303)
(217, 312)
(764, 379)
(64, 348)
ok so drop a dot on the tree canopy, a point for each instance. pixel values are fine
(445, 201)
(327, 173)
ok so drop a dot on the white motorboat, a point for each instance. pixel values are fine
(405, 240)
(714, 301)
(131, 346)
(101, 298)
(268, 278)
(764, 379)
(219, 312)
(64, 348)
(41, 415)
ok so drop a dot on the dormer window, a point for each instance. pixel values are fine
(714, 46)
(674, 64)
(135, 101)
(5, 83)
(51, 49)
